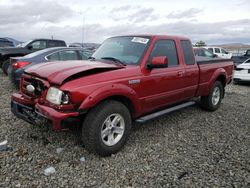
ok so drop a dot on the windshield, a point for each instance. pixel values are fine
(24, 44)
(127, 50)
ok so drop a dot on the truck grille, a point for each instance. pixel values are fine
(38, 87)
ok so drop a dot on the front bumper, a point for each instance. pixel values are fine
(37, 113)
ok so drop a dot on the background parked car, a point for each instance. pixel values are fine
(26, 48)
(203, 52)
(5, 43)
(240, 59)
(14, 41)
(242, 72)
(19, 64)
(220, 52)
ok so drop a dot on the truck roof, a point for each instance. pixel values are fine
(155, 36)
(47, 39)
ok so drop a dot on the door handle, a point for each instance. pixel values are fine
(180, 73)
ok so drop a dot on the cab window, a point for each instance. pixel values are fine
(211, 50)
(188, 53)
(38, 45)
(208, 53)
(56, 43)
(165, 48)
(217, 50)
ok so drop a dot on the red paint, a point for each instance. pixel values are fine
(146, 89)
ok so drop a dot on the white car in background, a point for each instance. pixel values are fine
(220, 52)
(242, 72)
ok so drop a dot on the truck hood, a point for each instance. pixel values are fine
(13, 50)
(59, 72)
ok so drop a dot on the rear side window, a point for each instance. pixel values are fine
(187, 50)
(68, 55)
(84, 54)
(54, 57)
(56, 43)
(165, 48)
(217, 50)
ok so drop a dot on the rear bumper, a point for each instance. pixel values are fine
(14, 76)
(37, 113)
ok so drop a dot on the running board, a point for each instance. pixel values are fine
(163, 112)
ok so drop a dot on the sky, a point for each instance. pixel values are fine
(213, 21)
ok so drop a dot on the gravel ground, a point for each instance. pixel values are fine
(188, 148)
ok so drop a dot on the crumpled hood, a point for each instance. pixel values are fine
(58, 72)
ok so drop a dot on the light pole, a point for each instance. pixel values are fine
(83, 23)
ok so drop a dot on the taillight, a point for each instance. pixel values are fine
(20, 64)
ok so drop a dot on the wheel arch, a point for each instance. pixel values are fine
(124, 100)
(222, 78)
(116, 92)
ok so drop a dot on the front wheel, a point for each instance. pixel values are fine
(213, 100)
(106, 128)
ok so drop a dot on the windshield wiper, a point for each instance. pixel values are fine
(114, 59)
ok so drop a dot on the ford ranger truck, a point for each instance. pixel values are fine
(128, 78)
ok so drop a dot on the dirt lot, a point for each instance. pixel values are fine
(188, 148)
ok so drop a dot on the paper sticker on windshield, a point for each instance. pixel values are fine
(140, 40)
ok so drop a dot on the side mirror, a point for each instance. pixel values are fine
(158, 62)
(29, 47)
(214, 55)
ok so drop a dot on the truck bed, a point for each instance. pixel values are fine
(208, 69)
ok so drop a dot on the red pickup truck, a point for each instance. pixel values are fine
(127, 78)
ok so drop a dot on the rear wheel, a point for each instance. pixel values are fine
(5, 66)
(106, 128)
(213, 100)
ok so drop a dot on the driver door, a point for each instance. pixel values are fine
(163, 86)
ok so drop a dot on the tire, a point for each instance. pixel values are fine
(5, 66)
(99, 128)
(213, 100)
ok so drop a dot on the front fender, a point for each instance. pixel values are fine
(110, 91)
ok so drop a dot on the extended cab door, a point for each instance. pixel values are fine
(191, 70)
(163, 86)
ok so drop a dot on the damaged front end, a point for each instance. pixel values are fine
(30, 104)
